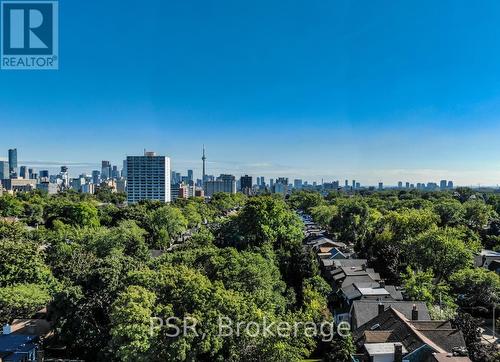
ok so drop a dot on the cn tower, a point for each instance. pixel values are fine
(203, 158)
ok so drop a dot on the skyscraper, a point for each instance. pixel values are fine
(148, 178)
(4, 170)
(246, 183)
(96, 177)
(105, 170)
(190, 177)
(443, 184)
(13, 160)
(23, 172)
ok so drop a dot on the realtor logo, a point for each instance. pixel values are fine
(29, 35)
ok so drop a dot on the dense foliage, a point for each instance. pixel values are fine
(91, 260)
(424, 241)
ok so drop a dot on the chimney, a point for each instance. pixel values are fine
(382, 283)
(363, 267)
(398, 352)
(414, 313)
(381, 308)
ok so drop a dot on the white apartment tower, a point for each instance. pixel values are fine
(148, 178)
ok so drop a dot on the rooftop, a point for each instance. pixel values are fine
(381, 348)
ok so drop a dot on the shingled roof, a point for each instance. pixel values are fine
(438, 335)
(363, 311)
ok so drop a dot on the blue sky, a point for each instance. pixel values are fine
(372, 90)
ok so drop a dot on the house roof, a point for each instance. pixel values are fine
(38, 327)
(364, 310)
(349, 262)
(323, 241)
(412, 334)
(374, 349)
(358, 279)
(395, 293)
(445, 357)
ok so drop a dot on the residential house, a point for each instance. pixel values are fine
(412, 340)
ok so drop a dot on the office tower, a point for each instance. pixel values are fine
(271, 183)
(13, 161)
(346, 184)
(31, 172)
(450, 184)
(96, 177)
(297, 183)
(124, 169)
(380, 186)
(115, 173)
(246, 183)
(407, 185)
(4, 170)
(23, 172)
(262, 182)
(190, 178)
(148, 178)
(358, 185)
(44, 173)
(353, 184)
(400, 184)
(443, 184)
(105, 170)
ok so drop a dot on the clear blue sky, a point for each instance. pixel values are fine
(372, 90)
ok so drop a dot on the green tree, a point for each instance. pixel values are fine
(451, 212)
(23, 262)
(167, 224)
(477, 214)
(421, 286)
(10, 206)
(324, 214)
(22, 301)
(267, 219)
(444, 251)
(476, 287)
(305, 200)
(131, 323)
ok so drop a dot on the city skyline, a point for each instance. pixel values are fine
(77, 169)
(322, 90)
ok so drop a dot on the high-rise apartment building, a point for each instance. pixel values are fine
(148, 178)
(223, 183)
